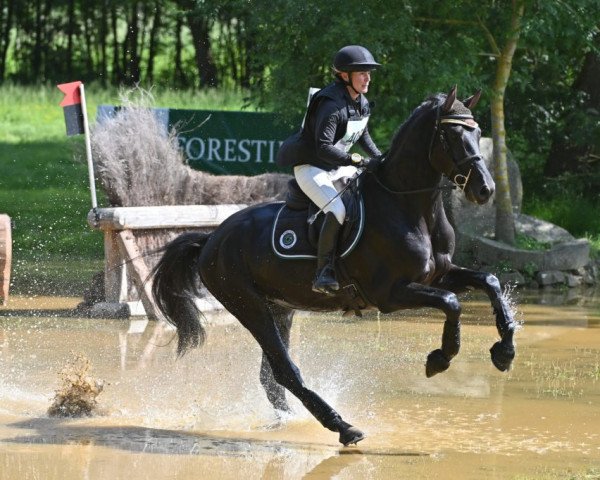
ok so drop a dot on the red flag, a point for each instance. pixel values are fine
(72, 107)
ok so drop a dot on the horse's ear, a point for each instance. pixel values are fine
(449, 100)
(471, 102)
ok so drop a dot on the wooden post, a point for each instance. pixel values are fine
(5, 256)
(140, 271)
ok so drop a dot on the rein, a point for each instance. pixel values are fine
(454, 186)
(459, 180)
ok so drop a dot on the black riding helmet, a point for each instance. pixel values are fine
(354, 58)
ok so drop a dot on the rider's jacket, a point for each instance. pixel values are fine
(333, 123)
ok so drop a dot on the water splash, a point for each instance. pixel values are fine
(76, 397)
(510, 296)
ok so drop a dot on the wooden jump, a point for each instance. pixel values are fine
(131, 232)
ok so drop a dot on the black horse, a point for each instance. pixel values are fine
(402, 261)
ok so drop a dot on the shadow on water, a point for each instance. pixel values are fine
(50, 431)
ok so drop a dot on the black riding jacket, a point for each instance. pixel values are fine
(325, 125)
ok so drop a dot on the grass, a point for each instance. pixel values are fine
(570, 210)
(525, 242)
(44, 183)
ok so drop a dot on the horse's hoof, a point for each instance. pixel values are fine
(351, 435)
(502, 356)
(437, 362)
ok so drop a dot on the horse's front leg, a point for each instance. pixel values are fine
(459, 280)
(414, 295)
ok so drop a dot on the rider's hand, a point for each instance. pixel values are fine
(370, 164)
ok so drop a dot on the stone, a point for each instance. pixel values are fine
(512, 278)
(588, 279)
(541, 230)
(573, 280)
(545, 278)
(562, 256)
(110, 310)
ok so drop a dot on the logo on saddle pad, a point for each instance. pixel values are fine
(288, 239)
(293, 238)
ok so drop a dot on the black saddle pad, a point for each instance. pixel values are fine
(294, 238)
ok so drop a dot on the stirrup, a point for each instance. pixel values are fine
(325, 281)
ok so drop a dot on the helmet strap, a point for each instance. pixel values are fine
(348, 82)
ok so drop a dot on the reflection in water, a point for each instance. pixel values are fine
(205, 416)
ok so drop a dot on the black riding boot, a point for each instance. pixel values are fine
(325, 281)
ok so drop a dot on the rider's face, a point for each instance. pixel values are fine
(359, 80)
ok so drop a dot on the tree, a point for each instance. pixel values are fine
(505, 224)
(6, 22)
(577, 148)
(199, 18)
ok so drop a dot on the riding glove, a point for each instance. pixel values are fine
(370, 164)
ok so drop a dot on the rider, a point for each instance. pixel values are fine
(335, 120)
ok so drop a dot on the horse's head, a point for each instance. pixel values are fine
(454, 149)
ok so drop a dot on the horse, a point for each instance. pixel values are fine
(403, 259)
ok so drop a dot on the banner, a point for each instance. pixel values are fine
(220, 142)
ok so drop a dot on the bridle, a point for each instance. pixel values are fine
(458, 179)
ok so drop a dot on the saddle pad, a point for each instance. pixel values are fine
(290, 237)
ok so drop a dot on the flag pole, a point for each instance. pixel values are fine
(88, 149)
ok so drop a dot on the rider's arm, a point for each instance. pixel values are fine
(327, 120)
(368, 145)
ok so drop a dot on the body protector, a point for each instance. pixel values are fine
(333, 124)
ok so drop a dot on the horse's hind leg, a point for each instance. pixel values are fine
(459, 280)
(275, 392)
(255, 314)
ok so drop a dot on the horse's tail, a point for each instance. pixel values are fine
(176, 283)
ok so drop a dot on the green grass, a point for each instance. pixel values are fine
(570, 210)
(44, 183)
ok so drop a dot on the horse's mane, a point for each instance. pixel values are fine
(427, 106)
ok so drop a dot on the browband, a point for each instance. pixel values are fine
(465, 121)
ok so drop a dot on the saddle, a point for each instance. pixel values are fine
(293, 238)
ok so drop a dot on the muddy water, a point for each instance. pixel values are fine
(205, 416)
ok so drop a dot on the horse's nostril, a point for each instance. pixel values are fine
(485, 191)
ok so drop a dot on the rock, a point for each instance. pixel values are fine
(485, 251)
(546, 278)
(513, 278)
(110, 310)
(540, 230)
(573, 280)
(588, 279)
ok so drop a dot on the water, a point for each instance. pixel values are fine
(205, 416)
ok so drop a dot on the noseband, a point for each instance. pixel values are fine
(454, 176)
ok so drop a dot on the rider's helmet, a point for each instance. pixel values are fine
(354, 58)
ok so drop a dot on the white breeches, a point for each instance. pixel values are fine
(321, 186)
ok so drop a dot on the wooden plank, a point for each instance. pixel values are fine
(140, 272)
(166, 216)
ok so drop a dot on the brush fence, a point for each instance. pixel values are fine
(131, 234)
